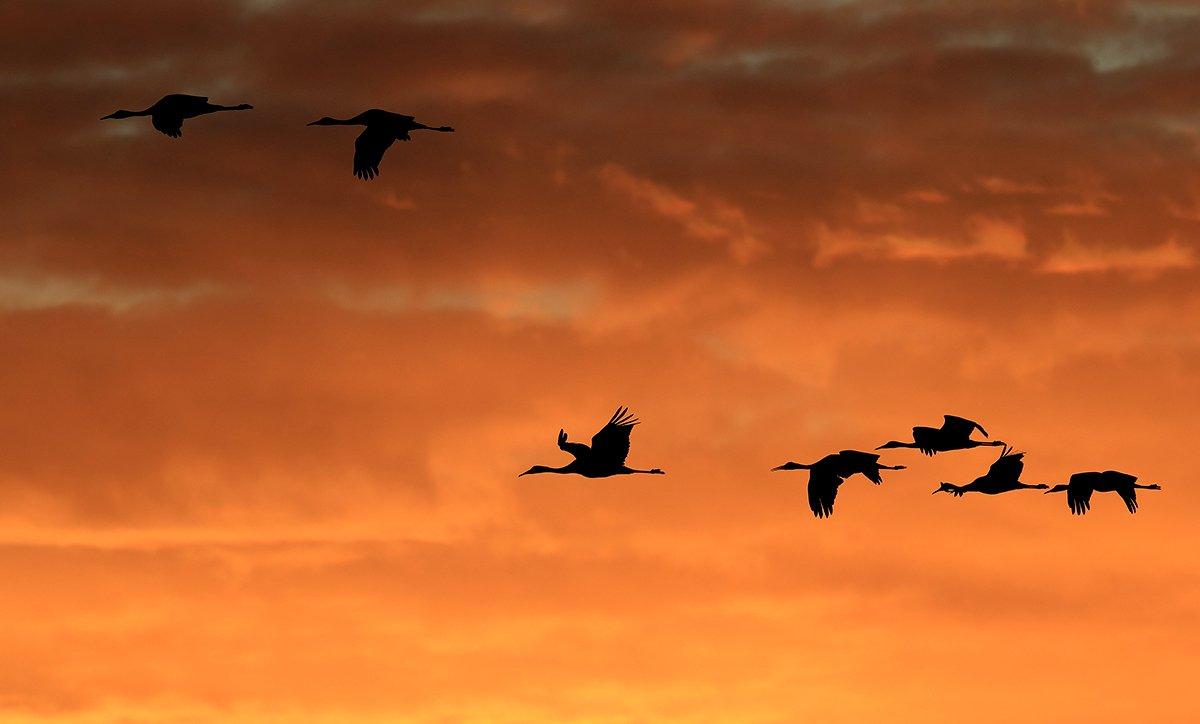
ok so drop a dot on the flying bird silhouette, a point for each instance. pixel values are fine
(954, 434)
(1003, 476)
(826, 475)
(1080, 487)
(169, 113)
(605, 457)
(382, 129)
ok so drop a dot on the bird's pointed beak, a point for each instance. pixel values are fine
(315, 123)
(108, 117)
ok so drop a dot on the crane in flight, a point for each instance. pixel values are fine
(605, 457)
(382, 129)
(1080, 486)
(954, 434)
(826, 475)
(1003, 476)
(169, 113)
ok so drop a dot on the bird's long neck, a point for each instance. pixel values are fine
(547, 469)
(793, 466)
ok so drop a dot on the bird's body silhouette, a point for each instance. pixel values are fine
(1080, 487)
(954, 434)
(382, 129)
(1003, 476)
(605, 457)
(826, 475)
(169, 113)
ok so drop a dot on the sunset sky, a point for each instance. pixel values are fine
(260, 421)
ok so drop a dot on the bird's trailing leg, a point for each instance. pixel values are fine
(423, 127)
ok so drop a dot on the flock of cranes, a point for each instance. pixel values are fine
(610, 446)
(381, 128)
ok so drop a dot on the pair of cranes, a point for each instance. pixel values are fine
(383, 128)
(610, 447)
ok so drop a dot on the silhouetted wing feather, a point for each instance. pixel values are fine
(611, 444)
(169, 124)
(1129, 495)
(1079, 495)
(1008, 468)
(961, 426)
(368, 151)
(926, 439)
(577, 449)
(822, 491)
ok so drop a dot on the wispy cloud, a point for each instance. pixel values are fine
(985, 237)
(714, 221)
(1074, 257)
(36, 291)
(505, 300)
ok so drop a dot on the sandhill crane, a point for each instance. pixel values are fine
(382, 128)
(1080, 487)
(168, 114)
(605, 457)
(954, 434)
(826, 475)
(1003, 476)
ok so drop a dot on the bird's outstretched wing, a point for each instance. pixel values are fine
(1117, 479)
(1008, 466)
(168, 123)
(576, 449)
(926, 439)
(822, 491)
(368, 151)
(850, 462)
(1123, 484)
(1079, 495)
(611, 444)
(961, 426)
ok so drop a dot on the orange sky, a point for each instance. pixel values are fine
(261, 421)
